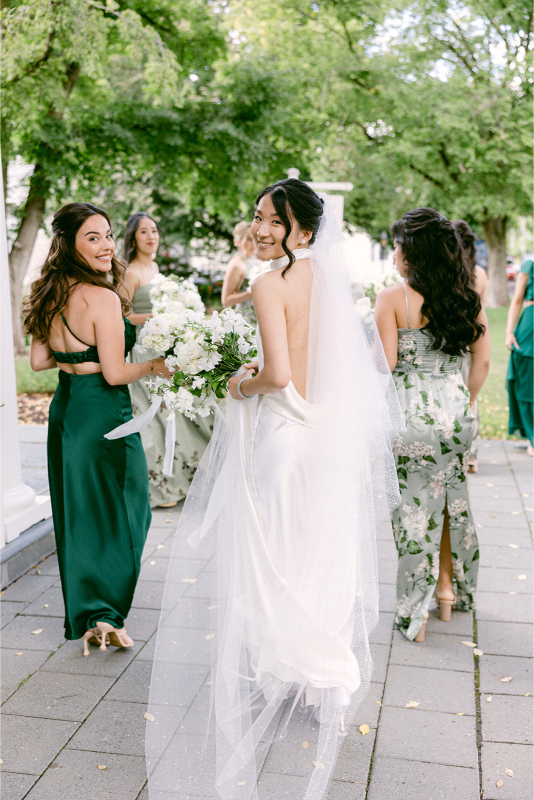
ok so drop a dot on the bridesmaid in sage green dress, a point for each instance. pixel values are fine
(426, 325)
(141, 242)
(98, 488)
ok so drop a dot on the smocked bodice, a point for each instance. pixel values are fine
(141, 302)
(415, 354)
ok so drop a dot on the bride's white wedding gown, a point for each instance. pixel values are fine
(281, 517)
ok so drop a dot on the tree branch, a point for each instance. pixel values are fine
(428, 177)
(31, 68)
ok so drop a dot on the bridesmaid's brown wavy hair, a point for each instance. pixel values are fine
(64, 267)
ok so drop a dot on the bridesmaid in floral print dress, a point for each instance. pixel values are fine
(427, 323)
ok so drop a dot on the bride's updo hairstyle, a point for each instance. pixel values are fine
(436, 268)
(294, 201)
(63, 268)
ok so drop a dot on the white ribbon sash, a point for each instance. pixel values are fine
(170, 444)
(137, 424)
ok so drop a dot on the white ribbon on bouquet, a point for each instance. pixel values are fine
(138, 424)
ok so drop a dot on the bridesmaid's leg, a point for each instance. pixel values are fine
(444, 586)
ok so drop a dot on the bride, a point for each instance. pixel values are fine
(274, 561)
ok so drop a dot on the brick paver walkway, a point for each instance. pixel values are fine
(64, 715)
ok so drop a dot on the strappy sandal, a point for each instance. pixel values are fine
(92, 636)
(113, 636)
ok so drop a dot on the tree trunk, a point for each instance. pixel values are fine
(495, 236)
(22, 249)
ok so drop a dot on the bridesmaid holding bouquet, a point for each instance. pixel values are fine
(99, 488)
(141, 243)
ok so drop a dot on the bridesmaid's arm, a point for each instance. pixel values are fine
(130, 284)
(270, 310)
(386, 322)
(41, 356)
(109, 333)
(230, 294)
(480, 361)
(514, 311)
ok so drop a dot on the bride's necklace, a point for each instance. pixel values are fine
(283, 261)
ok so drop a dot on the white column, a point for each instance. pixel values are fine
(20, 507)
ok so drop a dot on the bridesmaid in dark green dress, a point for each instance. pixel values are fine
(520, 377)
(99, 488)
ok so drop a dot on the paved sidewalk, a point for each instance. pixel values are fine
(65, 715)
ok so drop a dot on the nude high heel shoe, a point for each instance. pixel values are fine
(113, 636)
(421, 635)
(92, 636)
(445, 608)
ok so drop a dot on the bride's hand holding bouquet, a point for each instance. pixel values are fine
(251, 370)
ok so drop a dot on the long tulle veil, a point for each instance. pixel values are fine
(238, 686)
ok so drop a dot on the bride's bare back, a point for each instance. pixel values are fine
(283, 309)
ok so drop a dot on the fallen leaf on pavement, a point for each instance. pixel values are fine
(305, 745)
(513, 546)
(241, 783)
(521, 577)
(45, 606)
(509, 772)
(148, 716)
(210, 608)
(101, 766)
(189, 580)
(378, 702)
(528, 694)
(363, 729)
(478, 652)
(515, 512)
(318, 766)
(38, 631)
(210, 636)
(160, 547)
(507, 680)
(412, 704)
(512, 592)
(460, 714)
(489, 699)
(469, 644)
(499, 784)
(19, 654)
(152, 563)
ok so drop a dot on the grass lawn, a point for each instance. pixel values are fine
(493, 401)
(34, 382)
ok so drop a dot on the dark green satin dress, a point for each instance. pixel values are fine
(520, 376)
(99, 493)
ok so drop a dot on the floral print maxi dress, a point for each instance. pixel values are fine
(432, 459)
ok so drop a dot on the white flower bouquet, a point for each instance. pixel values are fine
(171, 289)
(202, 354)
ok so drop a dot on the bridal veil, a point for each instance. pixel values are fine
(262, 653)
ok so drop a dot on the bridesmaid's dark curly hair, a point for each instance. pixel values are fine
(468, 239)
(294, 201)
(63, 268)
(436, 268)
